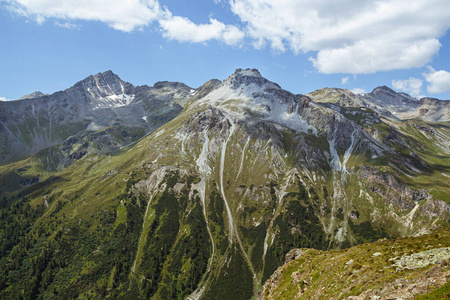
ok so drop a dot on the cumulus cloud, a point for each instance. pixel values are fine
(3, 99)
(412, 86)
(438, 81)
(183, 29)
(358, 91)
(349, 36)
(126, 16)
(346, 36)
(344, 80)
(370, 56)
(121, 15)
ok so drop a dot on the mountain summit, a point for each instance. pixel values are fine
(36, 94)
(247, 77)
(94, 103)
(103, 90)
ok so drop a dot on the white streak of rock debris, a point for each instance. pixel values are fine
(242, 157)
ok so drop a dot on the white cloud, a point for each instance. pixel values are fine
(370, 56)
(67, 25)
(121, 15)
(126, 16)
(184, 30)
(346, 36)
(358, 91)
(350, 36)
(344, 80)
(4, 99)
(439, 81)
(412, 86)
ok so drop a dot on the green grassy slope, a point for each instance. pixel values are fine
(379, 269)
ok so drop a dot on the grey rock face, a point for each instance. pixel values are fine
(388, 186)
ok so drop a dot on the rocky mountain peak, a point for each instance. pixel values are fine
(246, 77)
(247, 72)
(170, 84)
(337, 96)
(382, 89)
(386, 92)
(429, 101)
(335, 92)
(207, 87)
(102, 84)
(36, 94)
(103, 90)
(386, 96)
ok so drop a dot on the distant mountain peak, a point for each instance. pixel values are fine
(107, 73)
(430, 100)
(107, 76)
(104, 90)
(246, 77)
(36, 94)
(387, 94)
(332, 90)
(342, 97)
(99, 79)
(383, 89)
(170, 84)
(247, 72)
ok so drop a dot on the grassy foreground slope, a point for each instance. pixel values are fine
(386, 269)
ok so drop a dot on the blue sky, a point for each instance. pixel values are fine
(302, 45)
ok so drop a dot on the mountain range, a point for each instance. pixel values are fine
(38, 121)
(172, 192)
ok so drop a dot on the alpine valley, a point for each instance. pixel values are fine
(109, 190)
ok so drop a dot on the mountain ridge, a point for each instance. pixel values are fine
(94, 103)
(208, 203)
(388, 103)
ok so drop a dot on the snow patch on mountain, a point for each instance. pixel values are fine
(257, 98)
(114, 101)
